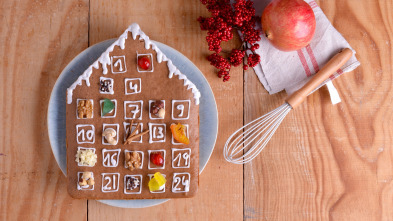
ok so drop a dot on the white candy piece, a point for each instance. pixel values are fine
(161, 113)
(110, 134)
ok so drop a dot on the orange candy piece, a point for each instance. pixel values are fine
(179, 133)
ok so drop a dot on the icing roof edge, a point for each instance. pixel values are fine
(105, 60)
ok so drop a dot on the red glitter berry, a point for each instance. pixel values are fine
(206, 23)
(236, 57)
(224, 74)
(221, 73)
(243, 11)
(226, 17)
(253, 60)
(254, 47)
(219, 62)
(144, 62)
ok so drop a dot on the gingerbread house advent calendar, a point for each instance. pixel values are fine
(132, 117)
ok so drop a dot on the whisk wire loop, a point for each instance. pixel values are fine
(247, 142)
(256, 150)
(250, 129)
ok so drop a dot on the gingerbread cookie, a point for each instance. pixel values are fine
(132, 125)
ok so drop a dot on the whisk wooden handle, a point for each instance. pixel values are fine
(332, 66)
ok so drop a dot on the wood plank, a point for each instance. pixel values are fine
(325, 161)
(175, 24)
(37, 40)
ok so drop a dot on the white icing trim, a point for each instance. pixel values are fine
(174, 142)
(114, 101)
(140, 184)
(84, 187)
(111, 178)
(110, 158)
(104, 142)
(155, 117)
(85, 133)
(181, 157)
(77, 102)
(105, 60)
(111, 91)
(155, 166)
(121, 61)
(162, 188)
(133, 102)
(151, 133)
(151, 60)
(130, 151)
(87, 148)
(126, 128)
(139, 89)
(184, 182)
(173, 109)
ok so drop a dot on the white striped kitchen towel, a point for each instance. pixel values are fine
(289, 71)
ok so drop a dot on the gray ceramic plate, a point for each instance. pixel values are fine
(57, 106)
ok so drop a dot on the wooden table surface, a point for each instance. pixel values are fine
(324, 162)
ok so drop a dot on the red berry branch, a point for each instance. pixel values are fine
(226, 17)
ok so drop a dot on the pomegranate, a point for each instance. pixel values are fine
(288, 24)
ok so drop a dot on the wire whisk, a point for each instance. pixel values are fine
(247, 142)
